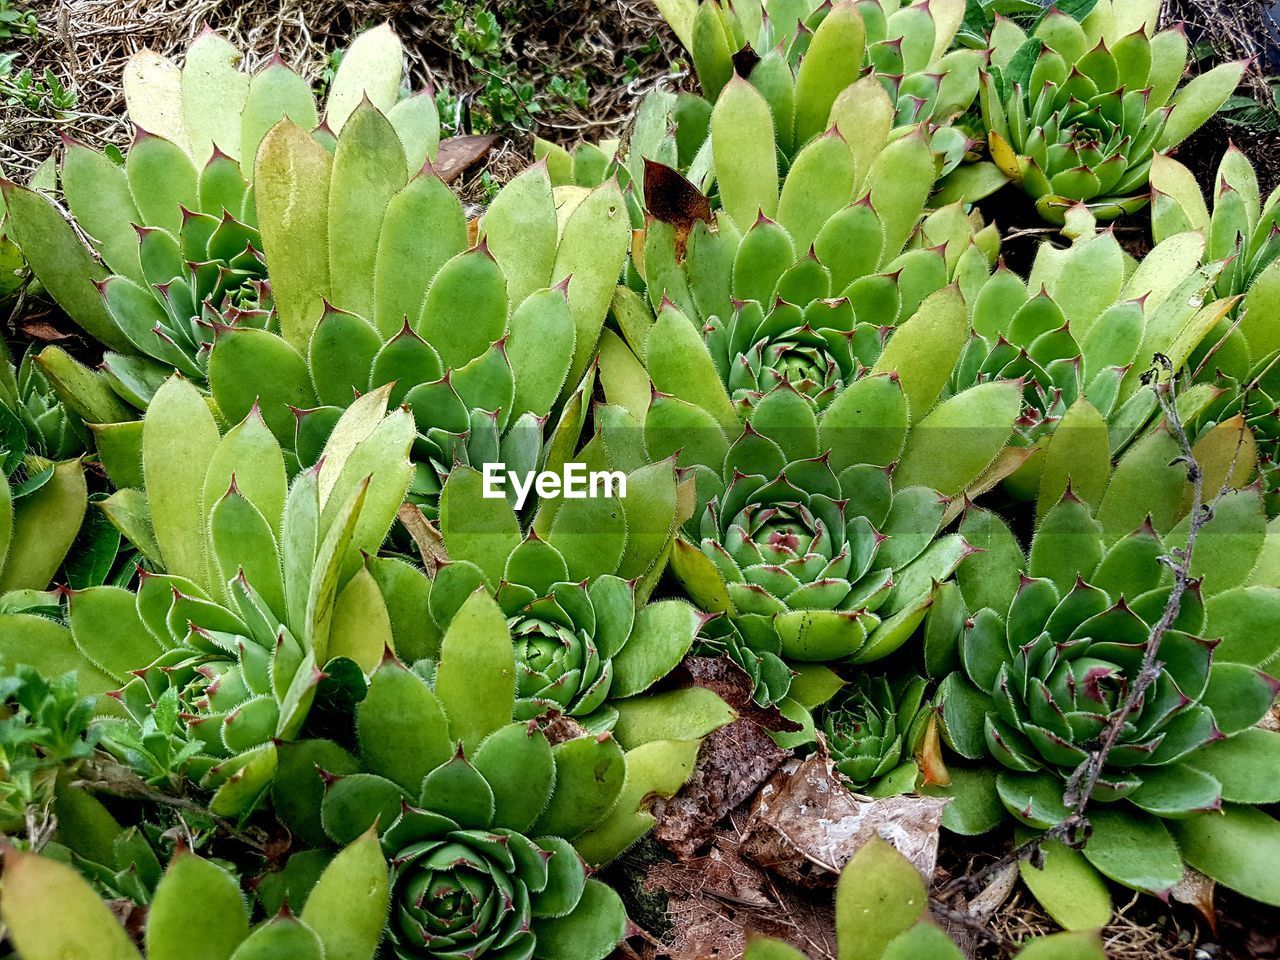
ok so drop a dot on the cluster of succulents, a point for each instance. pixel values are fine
(1057, 643)
(255, 572)
(1077, 111)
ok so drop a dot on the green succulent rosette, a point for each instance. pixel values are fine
(1038, 681)
(470, 887)
(481, 814)
(267, 591)
(557, 659)
(176, 221)
(32, 415)
(816, 550)
(1077, 111)
(838, 217)
(44, 493)
(873, 728)
(574, 596)
(1080, 333)
(812, 348)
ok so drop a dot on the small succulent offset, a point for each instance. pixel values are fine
(1076, 112)
(45, 426)
(176, 224)
(882, 913)
(51, 911)
(1040, 679)
(874, 726)
(43, 490)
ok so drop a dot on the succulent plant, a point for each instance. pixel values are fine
(573, 590)
(802, 534)
(873, 727)
(43, 491)
(48, 428)
(1237, 359)
(263, 585)
(1080, 332)
(484, 344)
(176, 224)
(1048, 656)
(804, 55)
(480, 810)
(50, 911)
(801, 275)
(882, 913)
(1077, 111)
(1240, 228)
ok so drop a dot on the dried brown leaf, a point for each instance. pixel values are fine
(459, 154)
(805, 824)
(732, 763)
(1196, 891)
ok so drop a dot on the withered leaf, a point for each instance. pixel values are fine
(715, 901)
(459, 154)
(805, 824)
(745, 60)
(732, 763)
(672, 199)
(1196, 891)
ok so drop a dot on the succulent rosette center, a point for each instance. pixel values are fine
(781, 533)
(558, 663)
(809, 347)
(460, 894)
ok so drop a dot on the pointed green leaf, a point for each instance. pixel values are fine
(348, 905)
(213, 931)
(53, 914)
(593, 247)
(475, 680)
(178, 440)
(368, 170)
(291, 180)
